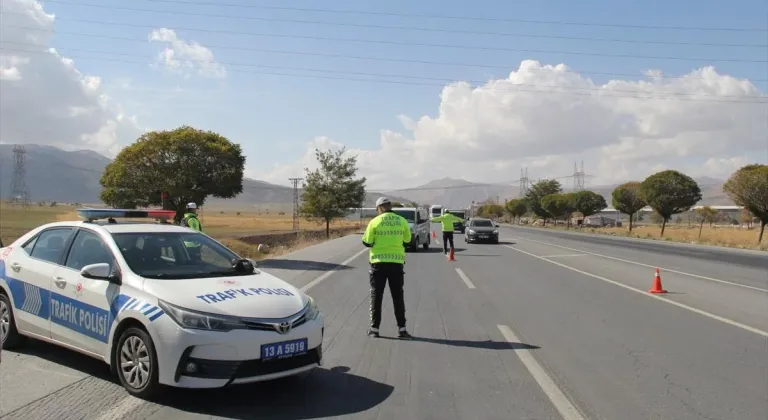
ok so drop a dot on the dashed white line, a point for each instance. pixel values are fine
(558, 398)
(121, 409)
(644, 293)
(465, 278)
(644, 265)
(316, 281)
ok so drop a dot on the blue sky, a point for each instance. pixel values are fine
(274, 116)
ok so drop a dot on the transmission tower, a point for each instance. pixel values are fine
(523, 182)
(578, 177)
(295, 202)
(19, 192)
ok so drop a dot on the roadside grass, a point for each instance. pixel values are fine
(227, 225)
(725, 236)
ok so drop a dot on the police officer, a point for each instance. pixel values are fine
(387, 235)
(446, 221)
(191, 221)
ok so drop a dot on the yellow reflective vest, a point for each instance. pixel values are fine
(386, 235)
(446, 221)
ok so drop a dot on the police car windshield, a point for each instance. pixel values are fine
(409, 215)
(176, 255)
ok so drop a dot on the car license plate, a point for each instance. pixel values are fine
(483, 236)
(283, 349)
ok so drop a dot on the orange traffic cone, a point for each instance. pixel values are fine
(657, 288)
(433, 234)
(450, 256)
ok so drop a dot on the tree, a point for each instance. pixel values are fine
(588, 203)
(705, 214)
(331, 190)
(557, 205)
(516, 208)
(490, 210)
(626, 199)
(188, 164)
(670, 192)
(536, 192)
(748, 187)
(397, 204)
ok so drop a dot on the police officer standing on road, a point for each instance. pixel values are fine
(446, 221)
(191, 221)
(387, 235)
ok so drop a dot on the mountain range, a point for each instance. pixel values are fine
(53, 174)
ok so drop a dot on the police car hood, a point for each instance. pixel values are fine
(255, 296)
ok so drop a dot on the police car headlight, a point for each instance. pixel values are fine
(199, 320)
(312, 310)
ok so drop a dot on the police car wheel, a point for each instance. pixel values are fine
(9, 335)
(136, 360)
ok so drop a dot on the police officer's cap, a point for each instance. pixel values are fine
(382, 201)
(191, 206)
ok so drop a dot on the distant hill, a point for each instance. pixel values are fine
(53, 174)
(460, 193)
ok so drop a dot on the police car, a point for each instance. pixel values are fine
(161, 304)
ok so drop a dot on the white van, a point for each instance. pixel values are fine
(418, 220)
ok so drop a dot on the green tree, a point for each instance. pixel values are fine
(491, 210)
(537, 191)
(557, 205)
(516, 208)
(626, 199)
(588, 203)
(188, 164)
(670, 192)
(331, 190)
(705, 214)
(748, 187)
(413, 204)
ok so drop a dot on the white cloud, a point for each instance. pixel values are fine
(487, 133)
(45, 99)
(183, 56)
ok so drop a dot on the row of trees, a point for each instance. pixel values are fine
(667, 192)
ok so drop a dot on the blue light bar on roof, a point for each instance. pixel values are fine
(96, 214)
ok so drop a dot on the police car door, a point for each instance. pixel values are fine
(80, 307)
(28, 271)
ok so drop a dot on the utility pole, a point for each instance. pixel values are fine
(523, 182)
(578, 177)
(19, 192)
(295, 202)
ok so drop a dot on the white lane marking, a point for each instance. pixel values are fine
(645, 265)
(558, 398)
(327, 274)
(644, 293)
(565, 255)
(122, 409)
(465, 278)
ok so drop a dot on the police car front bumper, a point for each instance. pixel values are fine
(210, 359)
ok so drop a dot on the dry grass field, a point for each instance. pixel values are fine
(727, 236)
(225, 224)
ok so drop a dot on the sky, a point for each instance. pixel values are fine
(416, 90)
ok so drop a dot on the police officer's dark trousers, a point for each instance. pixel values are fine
(447, 237)
(380, 274)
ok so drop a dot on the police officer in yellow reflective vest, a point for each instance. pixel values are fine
(387, 235)
(446, 221)
(191, 221)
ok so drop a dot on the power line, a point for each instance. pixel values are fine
(428, 16)
(420, 44)
(559, 90)
(19, 192)
(295, 182)
(387, 27)
(357, 57)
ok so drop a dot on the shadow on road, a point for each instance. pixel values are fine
(487, 344)
(68, 358)
(480, 255)
(303, 265)
(439, 250)
(322, 393)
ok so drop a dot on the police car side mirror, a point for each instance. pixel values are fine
(100, 271)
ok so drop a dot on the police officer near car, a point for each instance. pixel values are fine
(387, 235)
(191, 221)
(446, 222)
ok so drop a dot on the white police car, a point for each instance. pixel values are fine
(160, 303)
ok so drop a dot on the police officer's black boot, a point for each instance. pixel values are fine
(373, 332)
(404, 334)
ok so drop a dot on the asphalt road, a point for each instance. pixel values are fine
(540, 326)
